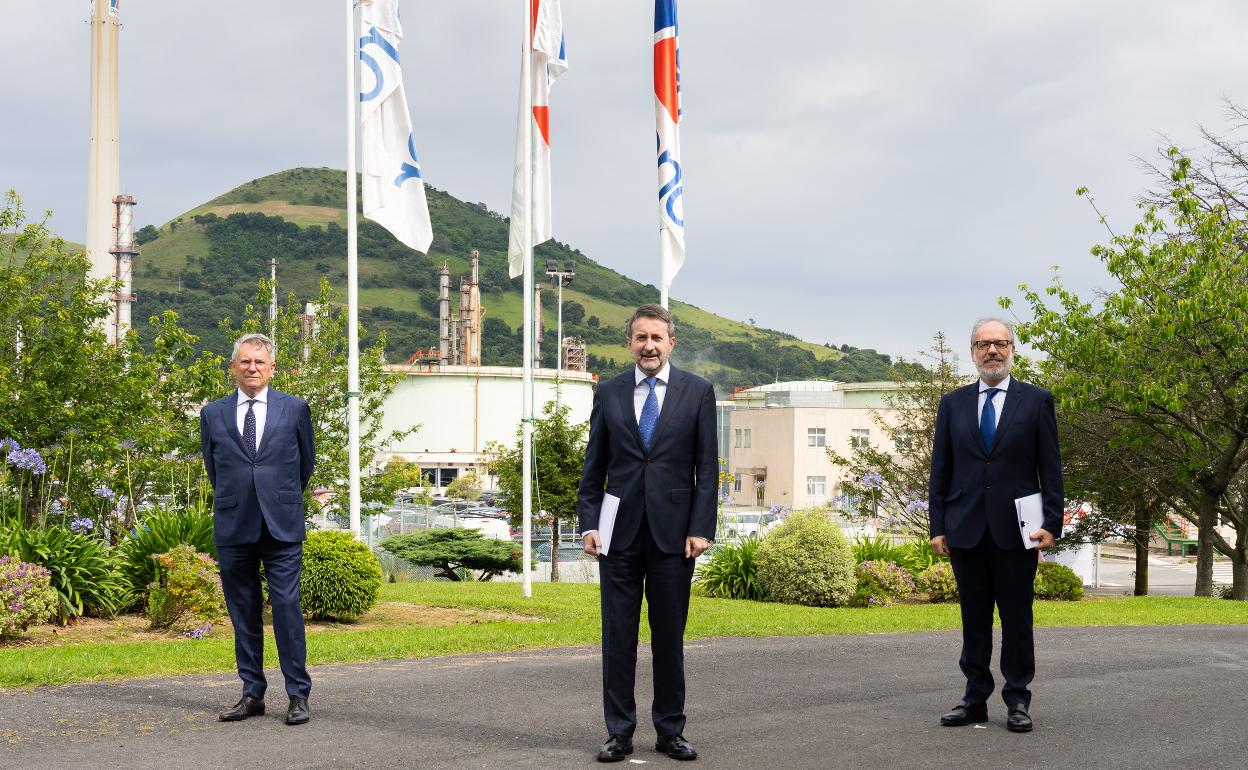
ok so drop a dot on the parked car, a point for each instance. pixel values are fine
(741, 524)
(567, 552)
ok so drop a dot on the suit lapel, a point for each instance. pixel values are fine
(627, 410)
(1012, 397)
(229, 414)
(276, 412)
(972, 416)
(671, 401)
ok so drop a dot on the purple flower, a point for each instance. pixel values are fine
(28, 459)
(103, 492)
(916, 506)
(82, 526)
(127, 444)
(198, 632)
(9, 444)
(872, 480)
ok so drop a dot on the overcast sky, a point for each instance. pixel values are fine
(866, 173)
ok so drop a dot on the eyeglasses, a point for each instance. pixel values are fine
(998, 344)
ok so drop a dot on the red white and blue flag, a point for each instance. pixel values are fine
(667, 124)
(550, 60)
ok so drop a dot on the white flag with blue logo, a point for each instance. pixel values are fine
(394, 191)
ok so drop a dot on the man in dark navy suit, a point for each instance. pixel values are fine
(996, 441)
(259, 454)
(652, 445)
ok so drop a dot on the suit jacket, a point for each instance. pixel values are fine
(272, 485)
(674, 484)
(972, 488)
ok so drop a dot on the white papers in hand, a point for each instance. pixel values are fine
(606, 520)
(1030, 517)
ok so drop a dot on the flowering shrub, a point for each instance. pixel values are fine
(880, 582)
(26, 596)
(187, 591)
(938, 583)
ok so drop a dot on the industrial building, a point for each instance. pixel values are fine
(778, 434)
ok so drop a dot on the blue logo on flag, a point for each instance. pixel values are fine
(409, 170)
(673, 189)
(374, 37)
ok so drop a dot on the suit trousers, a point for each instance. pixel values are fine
(665, 579)
(989, 575)
(240, 580)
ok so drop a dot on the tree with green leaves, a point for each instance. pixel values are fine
(895, 476)
(312, 364)
(108, 421)
(1165, 353)
(455, 549)
(559, 456)
(465, 487)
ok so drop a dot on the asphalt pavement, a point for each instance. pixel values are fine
(1164, 697)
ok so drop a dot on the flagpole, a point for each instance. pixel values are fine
(526, 387)
(353, 341)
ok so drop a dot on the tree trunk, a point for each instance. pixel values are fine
(1143, 532)
(554, 549)
(1205, 521)
(1239, 564)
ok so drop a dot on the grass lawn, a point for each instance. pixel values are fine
(416, 620)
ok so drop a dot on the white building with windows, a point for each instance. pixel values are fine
(779, 435)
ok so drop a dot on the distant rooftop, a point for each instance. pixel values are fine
(815, 393)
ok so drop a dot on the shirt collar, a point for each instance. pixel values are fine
(662, 376)
(1003, 385)
(261, 398)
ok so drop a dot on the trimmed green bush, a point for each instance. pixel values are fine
(186, 594)
(26, 596)
(807, 560)
(938, 583)
(341, 577)
(160, 532)
(84, 570)
(1057, 581)
(731, 571)
(451, 551)
(880, 582)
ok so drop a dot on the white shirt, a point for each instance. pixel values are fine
(261, 409)
(998, 399)
(642, 390)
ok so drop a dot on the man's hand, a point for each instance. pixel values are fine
(591, 543)
(694, 546)
(939, 546)
(1044, 539)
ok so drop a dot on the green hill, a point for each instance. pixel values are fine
(206, 263)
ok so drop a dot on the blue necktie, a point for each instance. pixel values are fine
(988, 418)
(649, 414)
(249, 429)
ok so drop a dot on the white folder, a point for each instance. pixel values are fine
(606, 520)
(1030, 517)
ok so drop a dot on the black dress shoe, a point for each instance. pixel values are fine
(965, 714)
(615, 749)
(1018, 721)
(297, 712)
(247, 706)
(676, 747)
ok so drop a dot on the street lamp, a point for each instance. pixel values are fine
(561, 275)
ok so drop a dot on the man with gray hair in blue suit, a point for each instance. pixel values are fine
(259, 454)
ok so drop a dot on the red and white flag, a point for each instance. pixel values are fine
(667, 126)
(549, 62)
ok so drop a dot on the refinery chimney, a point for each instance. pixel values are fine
(104, 144)
(444, 315)
(123, 253)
